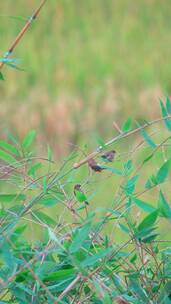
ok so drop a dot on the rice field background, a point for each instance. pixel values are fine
(86, 64)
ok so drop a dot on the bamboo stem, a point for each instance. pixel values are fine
(115, 139)
(22, 32)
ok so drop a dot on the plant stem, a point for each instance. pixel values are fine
(22, 32)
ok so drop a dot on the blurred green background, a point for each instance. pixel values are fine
(87, 64)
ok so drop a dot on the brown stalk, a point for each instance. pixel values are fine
(22, 32)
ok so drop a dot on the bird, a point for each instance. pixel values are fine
(94, 165)
(80, 195)
(109, 156)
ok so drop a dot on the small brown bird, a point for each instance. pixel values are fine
(109, 156)
(94, 166)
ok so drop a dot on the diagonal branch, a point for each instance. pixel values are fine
(22, 32)
(117, 138)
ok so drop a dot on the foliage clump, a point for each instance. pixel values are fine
(59, 246)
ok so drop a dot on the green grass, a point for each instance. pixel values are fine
(105, 57)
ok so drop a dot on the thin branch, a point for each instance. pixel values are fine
(118, 129)
(22, 32)
(69, 287)
(115, 139)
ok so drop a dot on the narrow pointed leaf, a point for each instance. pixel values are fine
(92, 260)
(164, 208)
(1, 76)
(163, 172)
(7, 198)
(43, 217)
(143, 205)
(167, 121)
(148, 221)
(49, 153)
(127, 125)
(28, 139)
(148, 139)
(8, 147)
(6, 157)
(168, 105)
(80, 237)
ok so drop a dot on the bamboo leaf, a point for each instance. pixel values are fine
(148, 221)
(80, 237)
(164, 207)
(127, 125)
(6, 157)
(60, 274)
(92, 260)
(7, 198)
(130, 185)
(148, 139)
(163, 172)
(1, 76)
(49, 153)
(113, 170)
(43, 217)
(143, 205)
(167, 121)
(168, 105)
(8, 147)
(28, 139)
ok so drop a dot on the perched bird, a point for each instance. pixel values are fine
(79, 194)
(109, 156)
(94, 166)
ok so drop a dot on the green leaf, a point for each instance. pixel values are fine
(12, 138)
(167, 121)
(32, 171)
(128, 166)
(19, 18)
(71, 156)
(49, 153)
(127, 125)
(168, 105)
(28, 139)
(107, 299)
(8, 147)
(148, 184)
(53, 238)
(6, 157)
(44, 184)
(144, 206)
(130, 185)
(1, 76)
(92, 260)
(140, 292)
(7, 198)
(49, 201)
(19, 230)
(164, 207)
(60, 274)
(124, 228)
(148, 139)
(148, 221)
(163, 172)
(166, 251)
(43, 217)
(148, 158)
(100, 141)
(150, 238)
(80, 237)
(113, 170)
